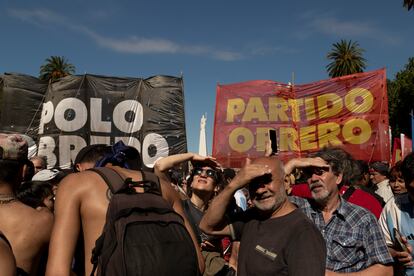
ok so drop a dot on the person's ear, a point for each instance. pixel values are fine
(339, 178)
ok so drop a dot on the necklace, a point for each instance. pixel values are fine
(7, 198)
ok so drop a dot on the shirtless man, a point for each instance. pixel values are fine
(7, 261)
(28, 230)
(81, 200)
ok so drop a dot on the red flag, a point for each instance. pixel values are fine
(396, 151)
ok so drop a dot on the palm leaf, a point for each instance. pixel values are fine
(346, 59)
(56, 67)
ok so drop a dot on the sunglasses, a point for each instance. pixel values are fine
(208, 172)
(309, 171)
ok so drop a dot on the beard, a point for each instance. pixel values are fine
(269, 202)
(321, 195)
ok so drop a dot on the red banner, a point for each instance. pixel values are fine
(349, 111)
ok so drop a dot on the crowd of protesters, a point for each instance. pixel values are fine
(325, 214)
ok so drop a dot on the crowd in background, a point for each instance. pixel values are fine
(251, 200)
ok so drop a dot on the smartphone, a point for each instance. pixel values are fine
(273, 140)
(398, 242)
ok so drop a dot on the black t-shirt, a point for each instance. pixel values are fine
(287, 245)
(194, 216)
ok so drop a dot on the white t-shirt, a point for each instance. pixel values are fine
(398, 213)
(384, 190)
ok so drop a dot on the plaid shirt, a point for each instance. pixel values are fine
(353, 238)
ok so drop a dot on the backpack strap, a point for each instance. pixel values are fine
(96, 252)
(149, 177)
(115, 183)
(348, 193)
(113, 179)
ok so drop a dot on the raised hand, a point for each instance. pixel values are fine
(248, 173)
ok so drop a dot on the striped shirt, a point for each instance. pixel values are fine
(353, 238)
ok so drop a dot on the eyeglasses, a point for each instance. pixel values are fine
(209, 172)
(309, 171)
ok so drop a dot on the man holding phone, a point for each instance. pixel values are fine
(397, 222)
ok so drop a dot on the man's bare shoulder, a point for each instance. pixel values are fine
(39, 216)
(25, 219)
(75, 183)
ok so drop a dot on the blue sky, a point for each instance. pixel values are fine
(209, 42)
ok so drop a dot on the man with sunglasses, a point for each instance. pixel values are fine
(275, 237)
(354, 241)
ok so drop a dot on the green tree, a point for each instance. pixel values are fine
(401, 99)
(409, 4)
(346, 59)
(56, 67)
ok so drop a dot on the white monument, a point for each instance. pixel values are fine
(202, 148)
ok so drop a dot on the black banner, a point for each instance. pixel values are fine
(21, 99)
(81, 110)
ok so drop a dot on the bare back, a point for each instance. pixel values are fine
(28, 231)
(7, 260)
(82, 198)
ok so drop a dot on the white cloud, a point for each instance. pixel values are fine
(39, 17)
(136, 45)
(227, 55)
(131, 45)
(328, 24)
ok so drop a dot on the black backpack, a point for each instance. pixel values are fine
(142, 235)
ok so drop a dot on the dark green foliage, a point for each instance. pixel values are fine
(346, 59)
(55, 67)
(401, 99)
(409, 4)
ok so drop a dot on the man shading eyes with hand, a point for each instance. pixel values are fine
(354, 241)
(276, 238)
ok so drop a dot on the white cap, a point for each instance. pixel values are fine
(45, 175)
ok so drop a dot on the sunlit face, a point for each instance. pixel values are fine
(323, 184)
(203, 180)
(268, 192)
(397, 185)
